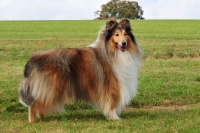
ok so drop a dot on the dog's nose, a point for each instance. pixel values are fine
(124, 44)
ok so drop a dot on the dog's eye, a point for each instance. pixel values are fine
(117, 35)
(125, 34)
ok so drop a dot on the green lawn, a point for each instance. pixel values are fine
(168, 98)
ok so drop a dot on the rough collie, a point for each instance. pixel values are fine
(103, 74)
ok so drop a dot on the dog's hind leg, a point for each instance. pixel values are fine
(35, 109)
(31, 114)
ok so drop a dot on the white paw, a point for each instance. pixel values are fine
(113, 117)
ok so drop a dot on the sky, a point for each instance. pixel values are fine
(84, 9)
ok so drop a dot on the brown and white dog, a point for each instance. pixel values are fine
(103, 74)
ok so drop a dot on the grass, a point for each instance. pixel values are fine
(169, 80)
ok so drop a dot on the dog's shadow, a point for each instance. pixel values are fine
(96, 116)
(85, 113)
(75, 115)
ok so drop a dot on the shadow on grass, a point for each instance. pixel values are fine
(77, 112)
(73, 117)
(94, 115)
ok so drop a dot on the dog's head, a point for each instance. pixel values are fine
(119, 35)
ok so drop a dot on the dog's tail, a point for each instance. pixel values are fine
(43, 84)
(45, 81)
(25, 95)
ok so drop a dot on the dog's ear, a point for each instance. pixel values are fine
(125, 23)
(110, 24)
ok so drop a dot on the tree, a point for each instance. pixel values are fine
(120, 9)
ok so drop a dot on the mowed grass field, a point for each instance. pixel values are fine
(168, 98)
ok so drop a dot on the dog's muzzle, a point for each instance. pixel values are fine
(122, 47)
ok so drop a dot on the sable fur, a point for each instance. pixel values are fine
(104, 74)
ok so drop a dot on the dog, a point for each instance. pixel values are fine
(103, 74)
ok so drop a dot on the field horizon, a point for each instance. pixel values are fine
(168, 98)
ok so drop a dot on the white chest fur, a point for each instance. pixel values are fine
(126, 70)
